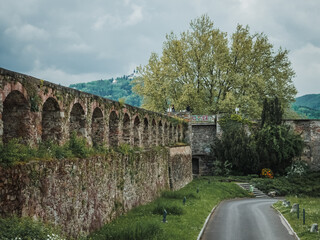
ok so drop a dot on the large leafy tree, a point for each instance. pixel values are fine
(212, 73)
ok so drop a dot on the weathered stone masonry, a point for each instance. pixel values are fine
(36, 110)
(82, 194)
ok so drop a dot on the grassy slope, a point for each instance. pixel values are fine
(195, 211)
(311, 206)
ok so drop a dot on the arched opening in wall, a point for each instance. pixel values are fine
(145, 135)
(174, 134)
(126, 129)
(16, 117)
(170, 134)
(160, 134)
(195, 166)
(77, 122)
(165, 134)
(97, 127)
(51, 121)
(136, 134)
(154, 133)
(113, 129)
(179, 134)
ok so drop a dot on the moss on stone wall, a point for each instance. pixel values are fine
(82, 194)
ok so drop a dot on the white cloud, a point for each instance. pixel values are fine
(58, 76)
(26, 32)
(72, 37)
(107, 20)
(135, 17)
(79, 48)
(306, 63)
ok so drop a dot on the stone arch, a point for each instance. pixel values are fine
(145, 134)
(179, 134)
(16, 117)
(97, 127)
(136, 132)
(126, 128)
(51, 121)
(77, 121)
(160, 133)
(154, 133)
(113, 129)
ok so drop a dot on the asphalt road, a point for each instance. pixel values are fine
(246, 219)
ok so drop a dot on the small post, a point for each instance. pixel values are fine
(304, 216)
(164, 216)
(197, 189)
(298, 211)
(209, 181)
(184, 200)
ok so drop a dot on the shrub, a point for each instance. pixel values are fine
(78, 146)
(170, 208)
(266, 172)
(298, 168)
(26, 229)
(178, 195)
(142, 230)
(235, 149)
(221, 168)
(277, 146)
(12, 152)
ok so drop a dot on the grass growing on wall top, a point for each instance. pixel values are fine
(183, 221)
(311, 206)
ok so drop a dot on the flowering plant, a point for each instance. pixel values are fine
(267, 172)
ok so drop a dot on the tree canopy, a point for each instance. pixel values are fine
(212, 73)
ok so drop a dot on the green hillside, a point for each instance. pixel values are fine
(309, 100)
(308, 106)
(113, 89)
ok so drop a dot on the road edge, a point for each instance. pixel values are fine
(206, 222)
(284, 220)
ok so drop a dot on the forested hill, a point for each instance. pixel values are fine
(308, 106)
(112, 88)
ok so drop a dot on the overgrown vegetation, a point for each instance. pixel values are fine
(305, 185)
(15, 151)
(183, 221)
(26, 229)
(311, 206)
(248, 148)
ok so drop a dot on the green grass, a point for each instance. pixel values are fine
(311, 206)
(145, 222)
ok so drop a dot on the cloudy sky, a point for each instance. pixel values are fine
(71, 41)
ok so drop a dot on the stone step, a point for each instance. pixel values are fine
(256, 192)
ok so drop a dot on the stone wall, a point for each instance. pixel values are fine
(35, 110)
(180, 167)
(203, 135)
(81, 195)
(310, 133)
(202, 140)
